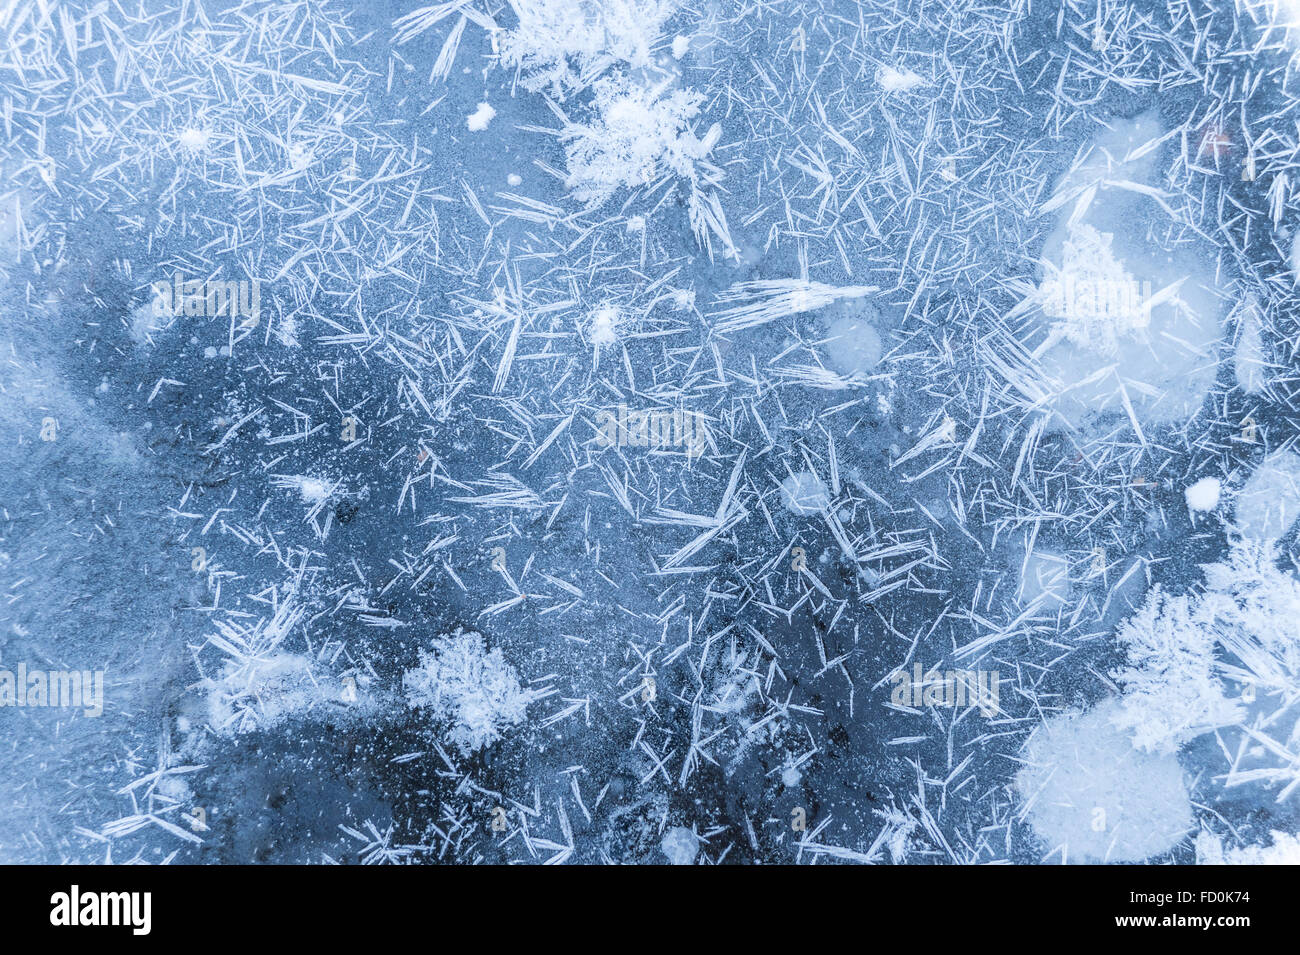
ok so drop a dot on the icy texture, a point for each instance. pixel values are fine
(680, 845)
(804, 494)
(986, 317)
(1131, 326)
(1092, 797)
(1269, 502)
(474, 690)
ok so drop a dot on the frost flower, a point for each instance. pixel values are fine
(476, 691)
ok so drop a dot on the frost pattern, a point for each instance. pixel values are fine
(563, 44)
(475, 690)
(638, 134)
(1185, 651)
(1171, 690)
(1094, 301)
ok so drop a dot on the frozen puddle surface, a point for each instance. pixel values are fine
(648, 433)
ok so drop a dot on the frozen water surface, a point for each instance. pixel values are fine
(956, 521)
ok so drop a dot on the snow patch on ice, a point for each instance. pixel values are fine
(312, 490)
(1095, 798)
(1285, 850)
(892, 79)
(473, 690)
(602, 328)
(194, 139)
(479, 119)
(1269, 502)
(1204, 494)
(680, 845)
(804, 494)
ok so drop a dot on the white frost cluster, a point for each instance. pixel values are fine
(564, 44)
(1092, 797)
(637, 134)
(1093, 301)
(1204, 494)
(1185, 652)
(1285, 850)
(634, 126)
(1172, 691)
(892, 79)
(475, 690)
(478, 120)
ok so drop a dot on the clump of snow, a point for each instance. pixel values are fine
(312, 490)
(479, 119)
(194, 140)
(637, 134)
(804, 494)
(1285, 850)
(680, 845)
(892, 79)
(1204, 494)
(1094, 798)
(602, 328)
(260, 685)
(680, 45)
(300, 156)
(474, 690)
(1269, 502)
(564, 43)
(682, 299)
